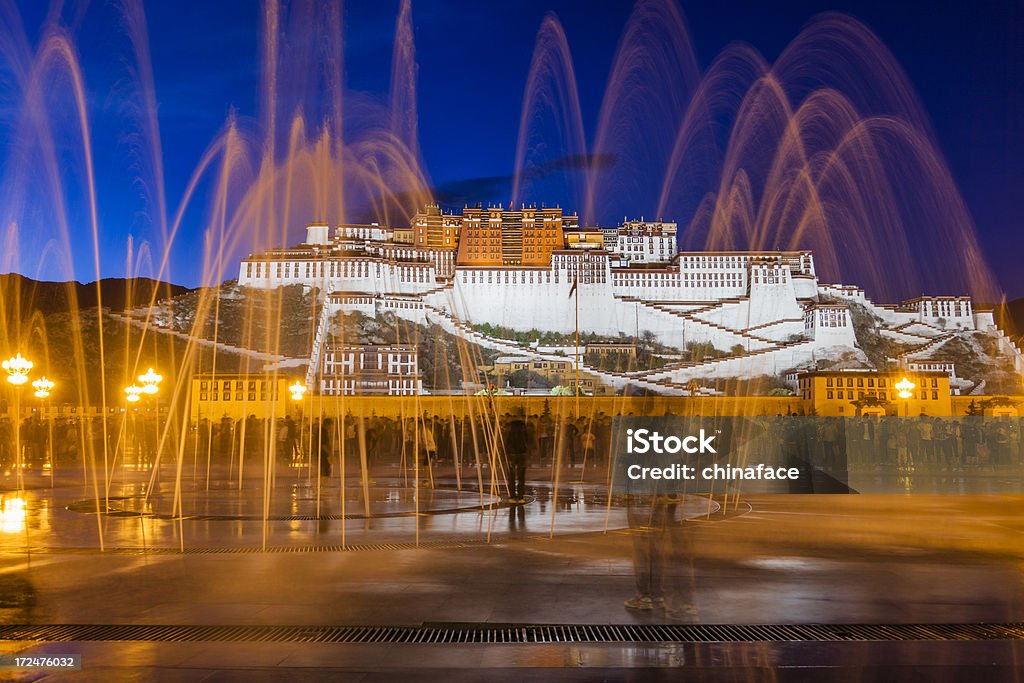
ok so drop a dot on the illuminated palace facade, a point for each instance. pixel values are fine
(538, 269)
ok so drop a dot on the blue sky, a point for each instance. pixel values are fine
(966, 61)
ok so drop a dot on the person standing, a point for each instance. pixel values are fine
(323, 440)
(517, 443)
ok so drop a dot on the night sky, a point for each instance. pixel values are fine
(966, 61)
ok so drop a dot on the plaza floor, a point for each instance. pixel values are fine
(463, 560)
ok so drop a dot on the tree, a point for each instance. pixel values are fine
(700, 351)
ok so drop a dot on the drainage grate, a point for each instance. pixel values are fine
(248, 550)
(516, 633)
(440, 544)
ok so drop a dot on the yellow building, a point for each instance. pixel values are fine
(436, 229)
(605, 348)
(237, 396)
(849, 393)
(403, 235)
(496, 236)
(561, 372)
(584, 239)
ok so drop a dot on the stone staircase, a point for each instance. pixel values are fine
(711, 362)
(326, 313)
(739, 336)
(926, 349)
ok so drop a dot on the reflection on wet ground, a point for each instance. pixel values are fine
(299, 513)
(771, 559)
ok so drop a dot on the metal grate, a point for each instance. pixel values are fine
(245, 550)
(516, 633)
(442, 544)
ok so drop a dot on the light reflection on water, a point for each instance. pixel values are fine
(12, 515)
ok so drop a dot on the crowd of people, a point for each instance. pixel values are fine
(514, 440)
(924, 443)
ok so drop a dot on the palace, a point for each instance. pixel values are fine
(537, 269)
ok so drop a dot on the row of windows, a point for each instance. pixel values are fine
(335, 269)
(838, 395)
(944, 367)
(838, 381)
(945, 308)
(830, 319)
(227, 396)
(714, 261)
(870, 382)
(528, 277)
(240, 385)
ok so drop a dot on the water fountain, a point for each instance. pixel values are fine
(826, 148)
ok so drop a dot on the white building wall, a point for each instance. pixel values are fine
(374, 276)
(772, 295)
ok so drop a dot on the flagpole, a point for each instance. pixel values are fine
(576, 290)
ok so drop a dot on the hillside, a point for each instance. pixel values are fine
(117, 294)
(37, 320)
(279, 321)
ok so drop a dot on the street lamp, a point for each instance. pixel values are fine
(150, 385)
(43, 387)
(150, 382)
(905, 390)
(133, 393)
(298, 390)
(17, 369)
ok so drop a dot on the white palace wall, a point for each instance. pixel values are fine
(374, 276)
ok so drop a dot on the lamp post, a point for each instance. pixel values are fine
(149, 384)
(133, 393)
(298, 390)
(905, 390)
(17, 369)
(43, 387)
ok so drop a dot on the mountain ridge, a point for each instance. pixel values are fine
(116, 294)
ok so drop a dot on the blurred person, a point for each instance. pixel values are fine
(662, 561)
(428, 441)
(323, 442)
(516, 438)
(926, 446)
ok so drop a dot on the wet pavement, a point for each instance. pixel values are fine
(759, 560)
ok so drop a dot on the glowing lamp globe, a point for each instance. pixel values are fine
(43, 387)
(150, 382)
(905, 388)
(132, 393)
(17, 369)
(298, 390)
